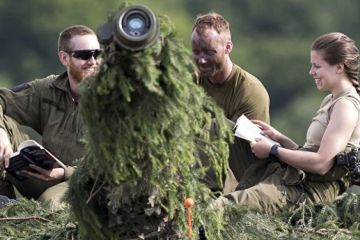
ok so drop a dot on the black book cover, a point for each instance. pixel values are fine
(30, 152)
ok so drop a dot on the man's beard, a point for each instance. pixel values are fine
(211, 70)
(77, 75)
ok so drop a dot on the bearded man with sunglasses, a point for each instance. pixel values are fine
(50, 107)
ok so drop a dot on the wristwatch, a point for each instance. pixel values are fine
(274, 151)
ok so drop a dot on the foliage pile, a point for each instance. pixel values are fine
(341, 220)
(147, 125)
(26, 219)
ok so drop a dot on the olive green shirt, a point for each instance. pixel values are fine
(242, 93)
(47, 106)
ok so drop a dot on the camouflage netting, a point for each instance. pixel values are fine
(146, 124)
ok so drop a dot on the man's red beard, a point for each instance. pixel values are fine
(78, 76)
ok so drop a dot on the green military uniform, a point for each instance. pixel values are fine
(17, 136)
(242, 93)
(47, 106)
(271, 186)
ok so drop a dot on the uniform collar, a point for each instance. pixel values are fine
(62, 82)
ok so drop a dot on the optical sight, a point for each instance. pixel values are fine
(133, 28)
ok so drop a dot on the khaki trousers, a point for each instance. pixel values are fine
(48, 193)
(274, 194)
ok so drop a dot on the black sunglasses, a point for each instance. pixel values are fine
(85, 54)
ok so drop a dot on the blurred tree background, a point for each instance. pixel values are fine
(271, 40)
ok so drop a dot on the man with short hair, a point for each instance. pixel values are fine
(50, 107)
(235, 90)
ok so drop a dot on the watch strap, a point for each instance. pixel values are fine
(274, 151)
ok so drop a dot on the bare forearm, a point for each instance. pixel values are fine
(287, 142)
(308, 161)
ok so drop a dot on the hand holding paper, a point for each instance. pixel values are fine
(247, 130)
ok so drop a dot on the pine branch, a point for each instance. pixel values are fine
(24, 219)
(93, 192)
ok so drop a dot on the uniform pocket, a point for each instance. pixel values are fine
(293, 176)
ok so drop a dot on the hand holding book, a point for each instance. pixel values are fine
(34, 171)
(33, 160)
(247, 130)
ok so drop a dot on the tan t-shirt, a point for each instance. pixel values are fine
(321, 120)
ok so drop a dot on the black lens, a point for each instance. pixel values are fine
(135, 25)
(86, 54)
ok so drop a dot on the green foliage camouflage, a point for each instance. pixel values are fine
(26, 219)
(338, 220)
(146, 122)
